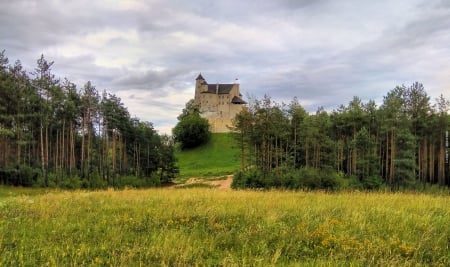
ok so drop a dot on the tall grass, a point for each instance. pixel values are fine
(8, 191)
(232, 228)
(219, 156)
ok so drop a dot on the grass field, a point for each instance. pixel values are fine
(219, 156)
(198, 226)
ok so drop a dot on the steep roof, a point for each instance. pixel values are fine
(223, 88)
(237, 100)
(200, 77)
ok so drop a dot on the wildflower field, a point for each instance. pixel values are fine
(201, 226)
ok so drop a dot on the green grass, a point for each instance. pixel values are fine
(219, 156)
(210, 227)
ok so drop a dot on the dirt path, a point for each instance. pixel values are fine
(219, 184)
(223, 184)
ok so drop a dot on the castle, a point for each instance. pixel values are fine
(219, 103)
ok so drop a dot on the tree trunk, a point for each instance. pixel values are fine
(42, 154)
(83, 128)
(242, 152)
(392, 158)
(441, 160)
(431, 163)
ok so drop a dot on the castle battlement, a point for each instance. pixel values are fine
(219, 103)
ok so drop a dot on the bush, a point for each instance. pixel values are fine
(351, 182)
(251, 179)
(191, 131)
(73, 183)
(329, 180)
(373, 182)
(139, 182)
(96, 182)
(238, 180)
(20, 175)
(305, 178)
(309, 178)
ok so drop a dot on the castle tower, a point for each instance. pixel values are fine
(198, 87)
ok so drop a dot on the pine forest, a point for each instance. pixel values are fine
(55, 134)
(402, 143)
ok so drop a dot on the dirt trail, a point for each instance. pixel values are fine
(223, 184)
(219, 184)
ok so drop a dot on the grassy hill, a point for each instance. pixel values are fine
(220, 156)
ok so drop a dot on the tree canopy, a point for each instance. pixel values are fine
(53, 133)
(191, 129)
(401, 143)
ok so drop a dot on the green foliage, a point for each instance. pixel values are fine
(96, 182)
(191, 131)
(373, 182)
(22, 175)
(167, 161)
(404, 165)
(135, 182)
(219, 156)
(190, 109)
(396, 142)
(75, 183)
(304, 178)
(54, 135)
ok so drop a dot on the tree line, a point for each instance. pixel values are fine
(53, 133)
(403, 143)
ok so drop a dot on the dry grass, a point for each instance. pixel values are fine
(231, 228)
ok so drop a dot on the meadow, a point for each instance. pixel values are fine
(206, 227)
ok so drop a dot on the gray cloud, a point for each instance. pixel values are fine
(149, 52)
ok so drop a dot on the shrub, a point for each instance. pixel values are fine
(251, 179)
(310, 178)
(139, 182)
(351, 182)
(304, 178)
(20, 175)
(191, 131)
(96, 182)
(372, 182)
(238, 181)
(328, 181)
(73, 183)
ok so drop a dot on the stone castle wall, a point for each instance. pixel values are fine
(216, 105)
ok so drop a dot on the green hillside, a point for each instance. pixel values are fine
(220, 156)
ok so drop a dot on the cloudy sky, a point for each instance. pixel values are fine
(149, 52)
